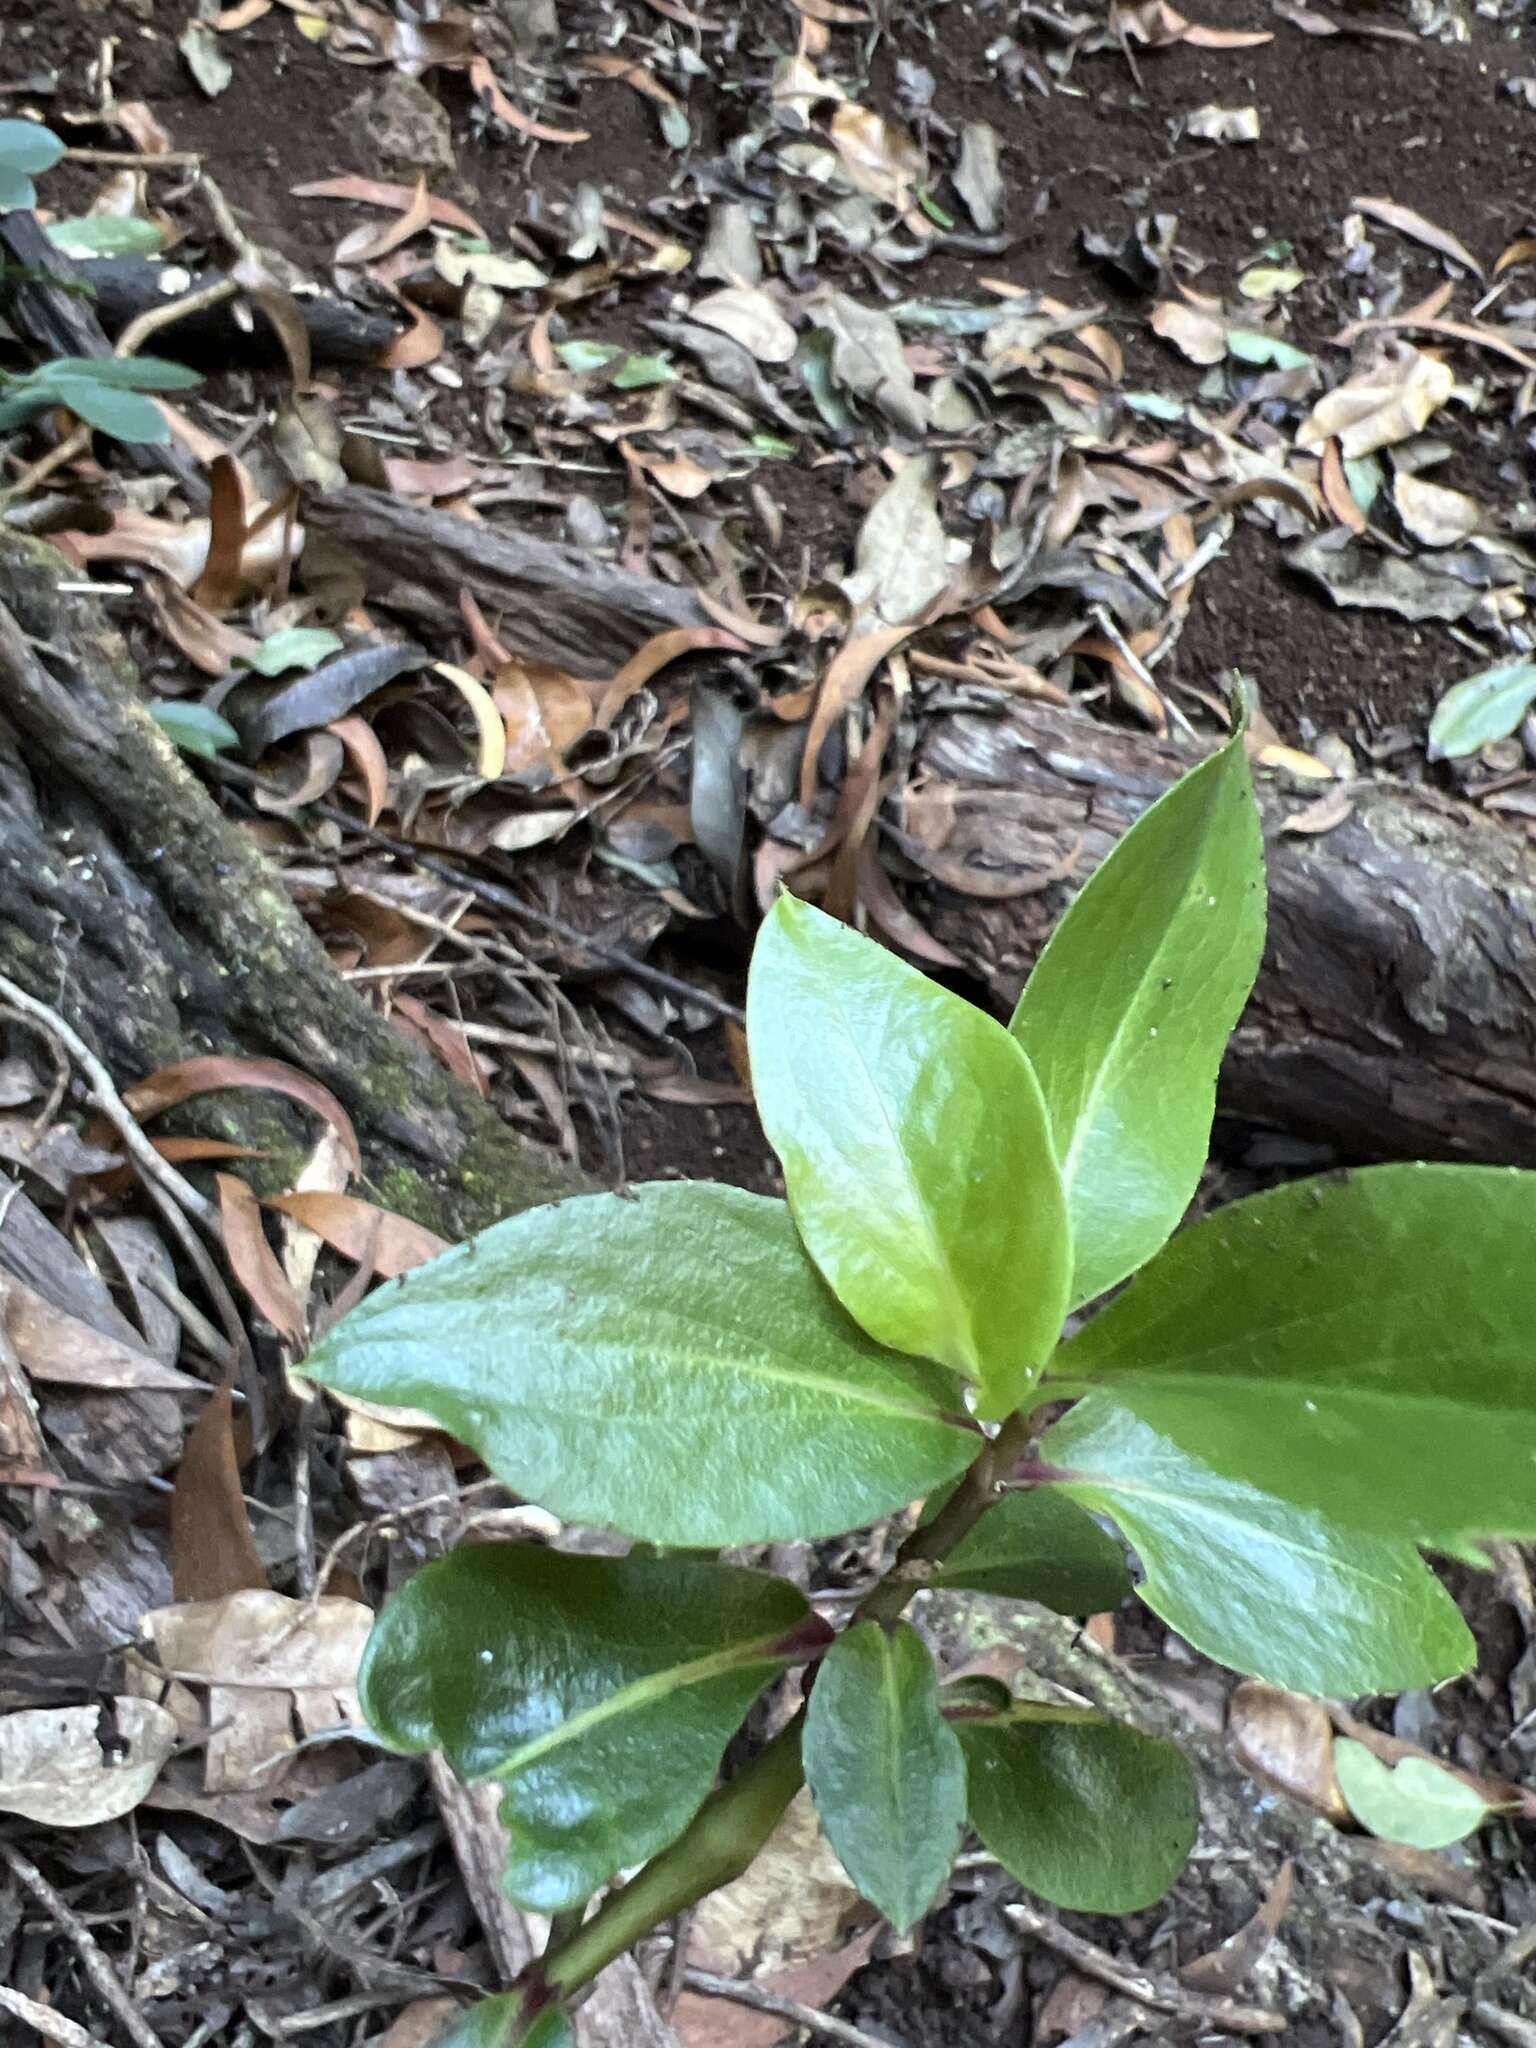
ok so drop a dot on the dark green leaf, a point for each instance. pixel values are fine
(916, 1153)
(1128, 1011)
(122, 414)
(123, 373)
(1039, 1546)
(1415, 1801)
(16, 188)
(1360, 1344)
(193, 727)
(599, 1692)
(500, 2023)
(27, 146)
(885, 1768)
(106, 234)
(1261, 1585)
(667, 1362)
(1092, 1816)
(1481, 708)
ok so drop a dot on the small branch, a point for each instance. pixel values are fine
(105, 1979)
(104, 1095)
(789, 2009)
(1164, 1994)
(928, 1545)
(133, 160)
(44, 2020)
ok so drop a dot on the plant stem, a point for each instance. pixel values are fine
(735, 1821)
(725, 1835)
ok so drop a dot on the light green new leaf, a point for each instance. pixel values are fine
(600, 1692)
(1414, 1801)
(885, 1768)
(1484, 707)
(106, 234)
(1090, 1815)
(1361, 1344)
(501, 2022)
(916, 1152)
(193, 727)
(1039, 1546)
(122, 373)
(667, 1362)
(1270, 1589)
(1128, 1011)
(295, 647)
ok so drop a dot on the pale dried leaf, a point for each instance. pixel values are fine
(1195, 332)
(1287, 1739)
(901, 557)
(750, 317)
(868, 360)
(1382, 405)
(879, 155)
(57, 1766)
(1223, 124)
(979, 176)
(1439, 517)
(1418, 229)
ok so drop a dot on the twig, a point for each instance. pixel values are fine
(1162, 1993)
(132, 160)
(807, 2016)
(529, 1042)
(50, 2024)
(105, 1097)
(105, 1979)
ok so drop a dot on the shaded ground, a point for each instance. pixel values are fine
(234, 1917)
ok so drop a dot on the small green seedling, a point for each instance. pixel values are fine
(26, 148)
(1293, 1399)
(104, 391)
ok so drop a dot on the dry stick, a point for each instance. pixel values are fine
(133, 160)
(101, 1973)
(790, 2009)
(50, 2024)
(133, 336)
(1163, 1993)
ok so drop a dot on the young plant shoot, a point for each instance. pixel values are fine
(1291, 1401)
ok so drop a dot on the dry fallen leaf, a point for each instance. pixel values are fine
(1392, 399)
(1439, 517)
(1223, 124)
(1194, 331)
(1414, 225)
(74, 1767)
(750, 317)
(267, 1662)
(1287, 1739)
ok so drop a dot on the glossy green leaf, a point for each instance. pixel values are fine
(1039, 1546)
(28, 146)
(1484, 707)
(668, 1362)
(1415, 1801)
(1256, 1583)
(122, 373)
(16, 189)
(885, 1768)
(1128, 1011)
(1360, 1343)
(501, 2022)
(122, 414)
(600, 1692)
(106, 234)
(916, 1152)
(1090, 1815)
(193, 727)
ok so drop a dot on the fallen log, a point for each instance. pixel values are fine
(545, 600)
(135, 908)
(1395, 1014)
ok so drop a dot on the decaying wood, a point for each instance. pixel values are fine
(547, 601)
(138, 911)
(1396, 1011)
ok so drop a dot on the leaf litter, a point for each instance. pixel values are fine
(810, 435)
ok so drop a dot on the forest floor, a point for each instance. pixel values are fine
(964, 354)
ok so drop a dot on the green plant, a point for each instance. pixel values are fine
(104, 391)
(1293, 1396)
(26, 148)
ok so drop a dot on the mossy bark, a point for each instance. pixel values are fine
(153, 924)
